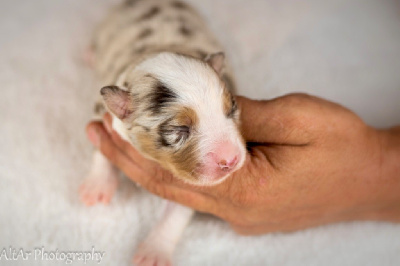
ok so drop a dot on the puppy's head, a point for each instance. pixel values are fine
(178, 112)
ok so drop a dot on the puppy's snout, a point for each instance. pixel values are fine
(224, 157)
(227, 165)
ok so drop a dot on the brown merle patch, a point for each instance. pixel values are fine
(182, 20)
(149, 14)
(131, 2)
(145, 128)
(202, 54)
(186, 161)
(187, 116)
(99, 108)
(179, 5)
(229, 104)
(144, 34)
(139, 50)
(185, 31)
(230, 84)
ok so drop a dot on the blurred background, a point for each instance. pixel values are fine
(347, 51)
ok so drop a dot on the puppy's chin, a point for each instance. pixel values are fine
(213, 180)
(214, 176)
(207, 176)
(203, 179)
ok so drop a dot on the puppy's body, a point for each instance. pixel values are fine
(139, 29)
(170, 98)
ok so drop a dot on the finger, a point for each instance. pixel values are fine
(125, 146)
(148, 165)
(252, 230)
(185, 196)
(119, 158)
(116, 156)
(107, 120)
(190, 198)
(92, 133)
(145, 164)
(271, 228)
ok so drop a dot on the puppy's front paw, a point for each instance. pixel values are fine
(98, 189)
(152, 253)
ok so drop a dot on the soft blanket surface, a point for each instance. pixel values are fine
(347, 51)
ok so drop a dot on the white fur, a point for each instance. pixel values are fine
(101, 182)
(116, 49)
(198, 87)
(120, 128)
(160, 244)
(45, 153)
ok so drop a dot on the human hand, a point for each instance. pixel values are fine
(310, 162)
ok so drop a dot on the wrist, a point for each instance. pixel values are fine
(391, 153)
(387, 181)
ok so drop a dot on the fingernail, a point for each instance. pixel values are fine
(94, 137)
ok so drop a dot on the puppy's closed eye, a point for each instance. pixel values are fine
(173, 135)
(183, 131)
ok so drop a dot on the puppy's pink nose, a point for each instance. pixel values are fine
(227, 165)
(222, 160)
(225, 156)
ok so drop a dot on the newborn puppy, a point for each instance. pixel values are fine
(170, 95)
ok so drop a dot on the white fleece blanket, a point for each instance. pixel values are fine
(344, 50)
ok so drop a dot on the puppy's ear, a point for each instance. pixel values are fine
(118, 101)
(216, 61)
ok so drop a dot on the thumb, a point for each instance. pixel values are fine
(277, 121)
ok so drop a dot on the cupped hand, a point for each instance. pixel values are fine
(310, 162)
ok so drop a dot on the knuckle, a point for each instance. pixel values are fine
(297, 98)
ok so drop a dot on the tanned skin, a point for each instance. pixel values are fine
(310, 162)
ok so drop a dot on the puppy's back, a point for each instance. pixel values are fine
(138, 29)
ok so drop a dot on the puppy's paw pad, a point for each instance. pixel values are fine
(97, 190)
